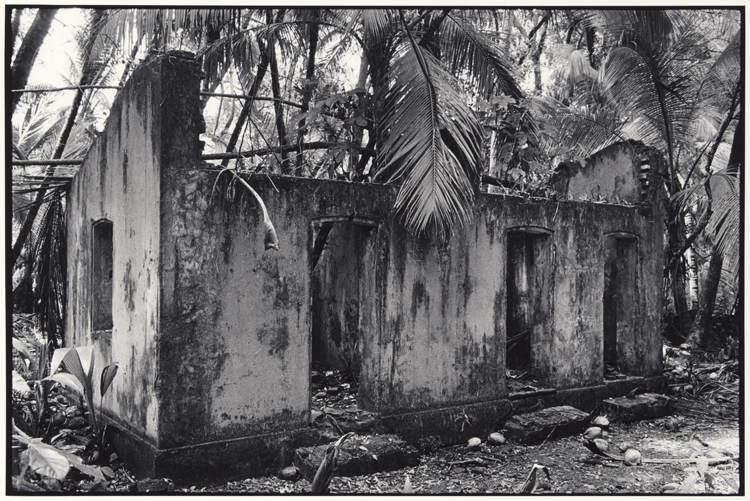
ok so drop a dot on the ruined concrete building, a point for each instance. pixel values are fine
(215, 336)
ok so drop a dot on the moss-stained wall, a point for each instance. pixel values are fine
(213, 332)
(439, 337)
(120, 180)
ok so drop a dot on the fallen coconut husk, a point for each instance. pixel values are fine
(711, 461)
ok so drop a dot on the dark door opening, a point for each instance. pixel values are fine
(343, 299)
(528, 309)
(618, 304)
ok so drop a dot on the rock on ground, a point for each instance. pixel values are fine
(536, 427)
(360, 455)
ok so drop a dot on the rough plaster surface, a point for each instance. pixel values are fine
(213, 333)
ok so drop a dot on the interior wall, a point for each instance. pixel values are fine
(341, 296)
(621, 303)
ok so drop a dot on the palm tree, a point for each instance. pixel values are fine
(27, 52)
(658, 81)
(425, 135)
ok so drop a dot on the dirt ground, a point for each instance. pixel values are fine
(573, 468)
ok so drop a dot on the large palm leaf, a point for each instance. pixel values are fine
(649, 77)
(725, 221)
(465, 49)
(422, 111)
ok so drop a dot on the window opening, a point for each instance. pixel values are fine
(102, 276)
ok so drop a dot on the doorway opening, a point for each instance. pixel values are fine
(528, 307)
(619, 304)
(343, 263)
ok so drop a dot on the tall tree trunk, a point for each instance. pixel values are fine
(253, 92)
(737, 155)
(277, 107)
(701, 325)
(15, 25)
(307, 90)
(677, 276)
(24, 61)
(356, 164)
(537, 53)
(87, 76)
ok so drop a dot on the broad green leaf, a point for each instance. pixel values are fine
(86, 355)
(57, 358)
(68, 380)
(108, 374)
(19, 383)
(20, 435)
(72, 364)
(24, 350)
(46, 460)
(77, 463)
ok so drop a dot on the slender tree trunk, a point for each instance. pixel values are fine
(355, 157)
(278, 109)
(309, 86)
(537, 54)
(14, 27)
(87, 76)
(737, 155)
(677, 275)
(253, 92)
(692, 266)
(24, 61)
(701, 325)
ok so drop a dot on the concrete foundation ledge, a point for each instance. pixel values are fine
(215, 461)
(452, 425)
(621, 387)
(586, 399)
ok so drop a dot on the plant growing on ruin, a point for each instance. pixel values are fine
(78, 364)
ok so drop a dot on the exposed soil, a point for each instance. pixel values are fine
(704, 386)
(573, 468)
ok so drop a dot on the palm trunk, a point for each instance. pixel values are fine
(87, 76)
(247, 107)
(701, 326)
(536, 57)
(14, 27)
(692, 266)
(278, 110)
(309, 86)
(24, 61)
(677, 275)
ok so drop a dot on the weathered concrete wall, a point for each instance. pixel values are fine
(439, 334)
(120, 180)
(611, 174)
(237, 317)
(213, 332)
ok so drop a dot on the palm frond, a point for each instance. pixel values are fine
(651, 95)
(432, 145)
(49, 259)
(377, 26)
(580, 133)
(725, 221)
(466, 49)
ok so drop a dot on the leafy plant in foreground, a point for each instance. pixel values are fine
(78, 364)
(29, 416)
